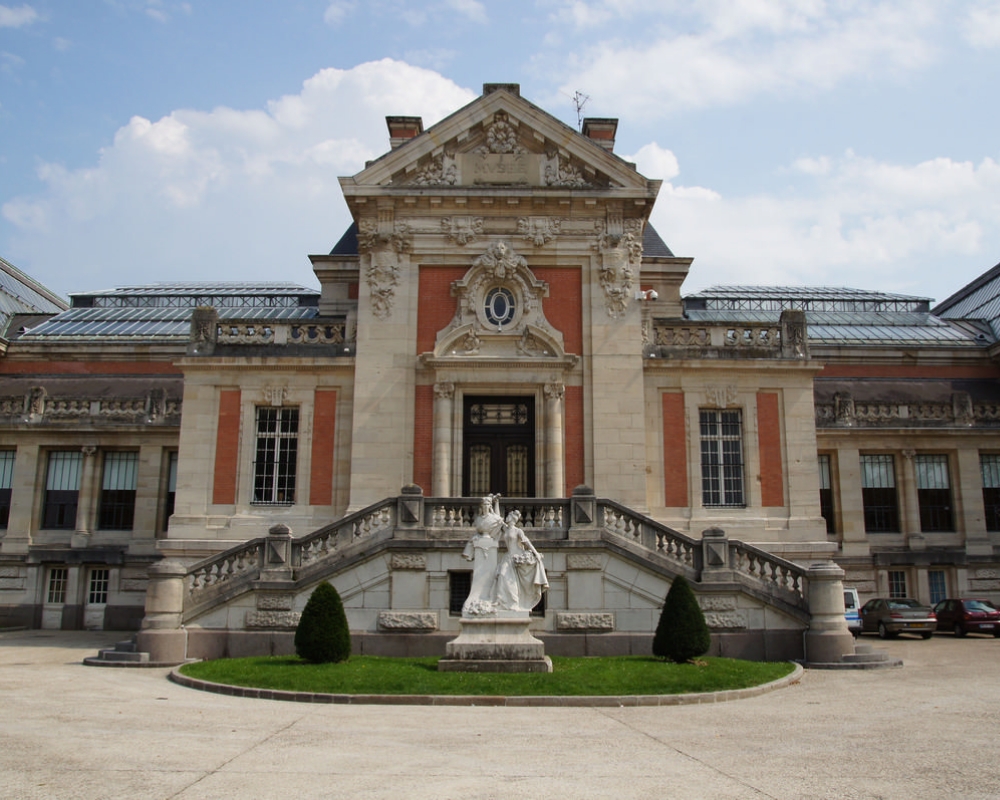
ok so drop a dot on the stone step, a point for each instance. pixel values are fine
(119, 655)
(865, 658)
(126, 646)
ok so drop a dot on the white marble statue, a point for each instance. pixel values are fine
(520, 575)
(481, 550)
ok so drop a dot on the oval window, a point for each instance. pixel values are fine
(499, 306)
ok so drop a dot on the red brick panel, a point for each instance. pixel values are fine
(563, 307)
(88, 368)
(573, 423)
(423, 437)
(324, 427)
(675, 472)
(436, 307)
(769, 432)
(227, 447)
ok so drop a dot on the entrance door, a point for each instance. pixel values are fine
(499, 446)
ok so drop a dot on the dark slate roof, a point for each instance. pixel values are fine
(977, 300)
(652, 245)
(348, 244)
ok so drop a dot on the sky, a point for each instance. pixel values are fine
(803, 142)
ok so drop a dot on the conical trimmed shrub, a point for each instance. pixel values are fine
(323, 635)
(682, 633)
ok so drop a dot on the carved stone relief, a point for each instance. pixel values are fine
(274, 395)
(384, 241)
(407, 620)
(462, 230)
(538, 230)
(579, 621)
(619, 244)
(441, 171)
(408, 561)
(721, 396)
(501, 137)
(272, 619)
(559, 173)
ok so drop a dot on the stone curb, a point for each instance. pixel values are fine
(615, 701)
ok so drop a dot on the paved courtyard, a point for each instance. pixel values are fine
(930, 729)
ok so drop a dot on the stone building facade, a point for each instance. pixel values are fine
(500, 317)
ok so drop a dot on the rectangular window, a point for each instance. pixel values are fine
(277, 449)
(168, 505)
(878, 494)
(721, 458)
(62, 489)
(934, 493)
(58, 577)
(897, 583)
(117, 508)
(989, 465)
(938, 585)
(459, 586)
(6, 480)
(826, 493)
(97, 588)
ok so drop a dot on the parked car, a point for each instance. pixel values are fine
(891, 616)
(852, 608)
(965, 615)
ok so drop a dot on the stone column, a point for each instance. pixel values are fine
(86, 504)
(162, 635)
(444, 404)
(828, 640)
(909, 506)
(852, 510)
(967, 498)
(25, 497)
(554, 468)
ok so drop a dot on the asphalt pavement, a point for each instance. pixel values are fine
(927, 730)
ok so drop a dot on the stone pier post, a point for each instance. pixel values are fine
(162, 635)
(828, 640)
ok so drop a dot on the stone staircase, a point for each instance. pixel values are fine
(865, 656)
(123, 654)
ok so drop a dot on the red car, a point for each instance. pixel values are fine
(968, 616)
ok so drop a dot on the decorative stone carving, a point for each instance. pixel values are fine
(471, 343)
(561, 174)
(619, 244)
(726, 619)
(961, 404)
(794, 340)
(554, 391)
(272, 619)
(275, 602)
(407, 621)
(501, 137)
(538, 230)
(384, 240)
(441, 171)
(986, 574)
(500, 261)
(444, 391)
(581, 561)
(275, 395)
(579, 621)
(34, 403)
(462, 230)
(717, 603)
(410, 561)
(843, 409)
(721, 396)
(382, 277)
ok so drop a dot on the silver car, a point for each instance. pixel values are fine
(891, 616)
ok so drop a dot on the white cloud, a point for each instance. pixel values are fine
(720, 52)
(654, 161)
(227, 193)
(981, 26)
(852, 222)
(17, 17)
(472, 9)
(337, 11)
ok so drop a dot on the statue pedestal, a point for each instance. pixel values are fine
(495, 644)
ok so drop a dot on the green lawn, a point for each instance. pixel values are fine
(617, 675)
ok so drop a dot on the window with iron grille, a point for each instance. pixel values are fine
(116, 511)
(58, 576)
(97, 588)
(989, 465)
(897, 583)
(878, 494)
(938, 585)
(934, 493)
(62, 489)
(826, 493)
(721, 458)
(276, 454)
(6, 479)
(168, 504)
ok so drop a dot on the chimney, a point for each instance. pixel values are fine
(601, 131)
(512, 88)
(402, 129)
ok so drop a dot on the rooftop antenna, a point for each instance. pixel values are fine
(579, 101)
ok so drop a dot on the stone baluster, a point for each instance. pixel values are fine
(828, 640)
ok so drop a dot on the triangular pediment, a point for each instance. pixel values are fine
(500, 140)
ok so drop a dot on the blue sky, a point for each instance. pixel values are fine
(844, 143)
